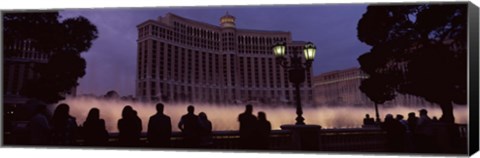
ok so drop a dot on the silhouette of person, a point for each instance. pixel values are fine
(412, 122)
(395, 134)
(406, 133)
(129, 127)
(247, 128)
(205, 130)
(94, 129)
(39, 127)
(400, 119)
(263, 131)
(424, 132)
(64, 126)
(368, 121)
(189, 125)
(411, 133)
(159, 128)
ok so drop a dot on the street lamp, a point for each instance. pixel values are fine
(296, 70)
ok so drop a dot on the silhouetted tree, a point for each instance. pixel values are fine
(56, 78)
(62, 40)
(378, 90)
(418, 50)
(112, 94)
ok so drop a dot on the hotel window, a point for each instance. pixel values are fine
(153, 87)
(279, 81)
(240, 60)
(249, 78)
(256, 66)
(264, 72)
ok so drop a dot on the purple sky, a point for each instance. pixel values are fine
(111, 62)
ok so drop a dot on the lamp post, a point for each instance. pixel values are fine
(296, 70)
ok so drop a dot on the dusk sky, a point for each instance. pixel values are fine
(111, 62)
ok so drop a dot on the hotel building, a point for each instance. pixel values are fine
(341, 87)
(184, 60)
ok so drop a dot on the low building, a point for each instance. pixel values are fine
(341, 88)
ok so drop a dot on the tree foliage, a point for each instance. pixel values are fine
(418, 50)
(112, 94)
(64, 40)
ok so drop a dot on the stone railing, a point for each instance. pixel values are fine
(279, 140)
(354, 139)
(348, 139)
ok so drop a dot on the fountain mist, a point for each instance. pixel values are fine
(224, 117)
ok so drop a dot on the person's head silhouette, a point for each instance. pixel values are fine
(202, 116)
(60, 115)
(262, 115)
(93, 114)
(249, 108)
(134, 113)
(388, 117)
(127, 111)
(62, 111)
(423, 112)
(399, 117)
(190, 109)
(160, 108)
(367, 116)
(411, 115)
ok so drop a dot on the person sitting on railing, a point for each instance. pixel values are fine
(39, 127)
(129, 127)
(412, 121)
(159, 128)
(412, 125)
(400, 119)
(395, 134)
(94, 129)
(64, 126)
(368, 121)
(205, 130)
(247, 128)
(189, 126)
(423, 133)
(263, 131)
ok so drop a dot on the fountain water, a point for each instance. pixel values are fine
(224, 117)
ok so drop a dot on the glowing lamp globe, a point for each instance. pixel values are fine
(279, 50)
(309, 51)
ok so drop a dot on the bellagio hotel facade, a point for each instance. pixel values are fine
(183, 60)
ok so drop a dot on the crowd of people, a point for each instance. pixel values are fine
(415, 134)
(196, 130)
